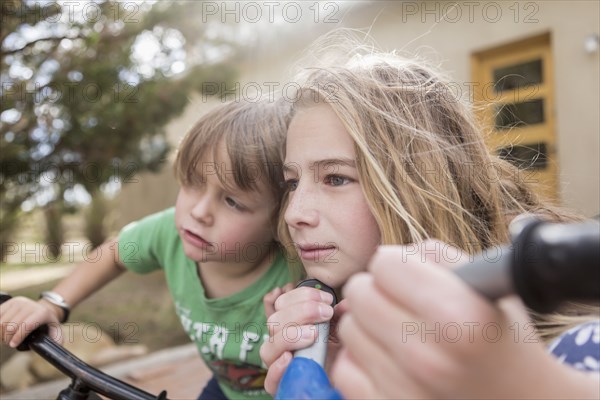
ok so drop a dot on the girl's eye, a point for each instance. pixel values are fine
(234, 204)
(337, 180)
(290, 185)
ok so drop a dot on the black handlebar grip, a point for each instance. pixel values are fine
(4, 297)
(554, 263)
(547, 264)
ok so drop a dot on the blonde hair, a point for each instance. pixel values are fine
(253, 135)
(570, 315)
(422, 161)
(423, 165)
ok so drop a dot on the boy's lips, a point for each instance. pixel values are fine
(195, 240)
(316, 253)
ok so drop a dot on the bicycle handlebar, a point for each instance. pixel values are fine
(84, 375)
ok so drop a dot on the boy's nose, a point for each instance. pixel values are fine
(202, 211)
(302, 209)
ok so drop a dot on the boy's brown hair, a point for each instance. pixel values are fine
(253, 136)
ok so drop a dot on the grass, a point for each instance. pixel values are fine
(133, 309)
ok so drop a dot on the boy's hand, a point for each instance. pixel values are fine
(291, 327)
(20, 316)
(270, 298)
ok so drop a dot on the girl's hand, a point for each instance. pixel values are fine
(415, 330)
(20, 316)
(292, 327)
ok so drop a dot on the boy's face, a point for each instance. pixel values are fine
(220, 225)
(327, 214)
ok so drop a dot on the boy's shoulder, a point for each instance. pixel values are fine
(278, 273)
(165, 217)
(151, 242)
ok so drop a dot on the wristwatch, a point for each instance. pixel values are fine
(57, 300)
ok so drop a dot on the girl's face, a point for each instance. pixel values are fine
(327, 214)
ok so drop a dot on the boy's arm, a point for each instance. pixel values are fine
(20, 316)
(89, 276)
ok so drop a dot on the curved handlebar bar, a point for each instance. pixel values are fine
(85, 377)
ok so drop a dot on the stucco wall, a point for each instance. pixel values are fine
(576, 80)
(448, 36)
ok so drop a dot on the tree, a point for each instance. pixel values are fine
(87, 89)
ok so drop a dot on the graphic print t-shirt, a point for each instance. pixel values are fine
(227, 331)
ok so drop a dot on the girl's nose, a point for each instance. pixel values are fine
(302, 208)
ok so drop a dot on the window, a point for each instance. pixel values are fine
(517, 95)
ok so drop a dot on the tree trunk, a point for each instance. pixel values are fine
(55, 234)
(95, 229)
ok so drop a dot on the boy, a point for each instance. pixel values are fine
(216, 246)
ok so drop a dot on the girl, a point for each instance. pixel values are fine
(380, 152)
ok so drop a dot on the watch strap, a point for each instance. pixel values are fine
(59, 301)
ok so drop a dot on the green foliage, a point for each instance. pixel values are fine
(85, 97)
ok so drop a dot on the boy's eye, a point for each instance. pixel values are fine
(337, 180)
(234, 204)
(289, 185)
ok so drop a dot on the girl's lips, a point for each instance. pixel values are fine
(195, 240)
(317, 253)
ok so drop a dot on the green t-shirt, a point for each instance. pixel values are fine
(227, 331)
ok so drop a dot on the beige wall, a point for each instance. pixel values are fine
(420, 27)
(576, 72)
